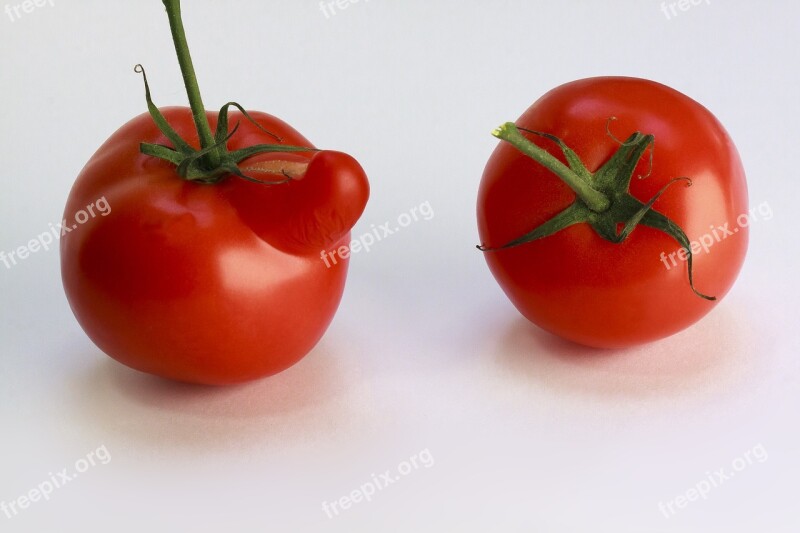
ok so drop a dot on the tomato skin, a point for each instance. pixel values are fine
(580, 286)
(211, 284)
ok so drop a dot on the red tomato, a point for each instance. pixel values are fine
(206, 283)
(578, 282)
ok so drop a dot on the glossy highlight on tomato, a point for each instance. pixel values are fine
(577, 282)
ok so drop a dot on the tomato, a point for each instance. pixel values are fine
(207, 267)
(566, 223)
(203, 283)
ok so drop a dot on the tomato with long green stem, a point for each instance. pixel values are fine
(593, 208)
(207, 267)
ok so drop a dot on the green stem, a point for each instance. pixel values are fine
(190, 81)
(594, 199)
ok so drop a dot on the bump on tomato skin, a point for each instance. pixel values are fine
(211, 284)
(313, 212)
(580, 286)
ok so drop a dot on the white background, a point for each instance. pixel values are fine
(528, 433)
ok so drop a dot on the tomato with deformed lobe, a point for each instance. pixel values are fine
(211, 284)
(207, 267)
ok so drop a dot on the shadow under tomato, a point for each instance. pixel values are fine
(299, 403)
(704, 359)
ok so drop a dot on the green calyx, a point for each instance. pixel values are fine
(603, 199)
(213, 161)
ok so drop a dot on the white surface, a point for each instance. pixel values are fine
(527, 433)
